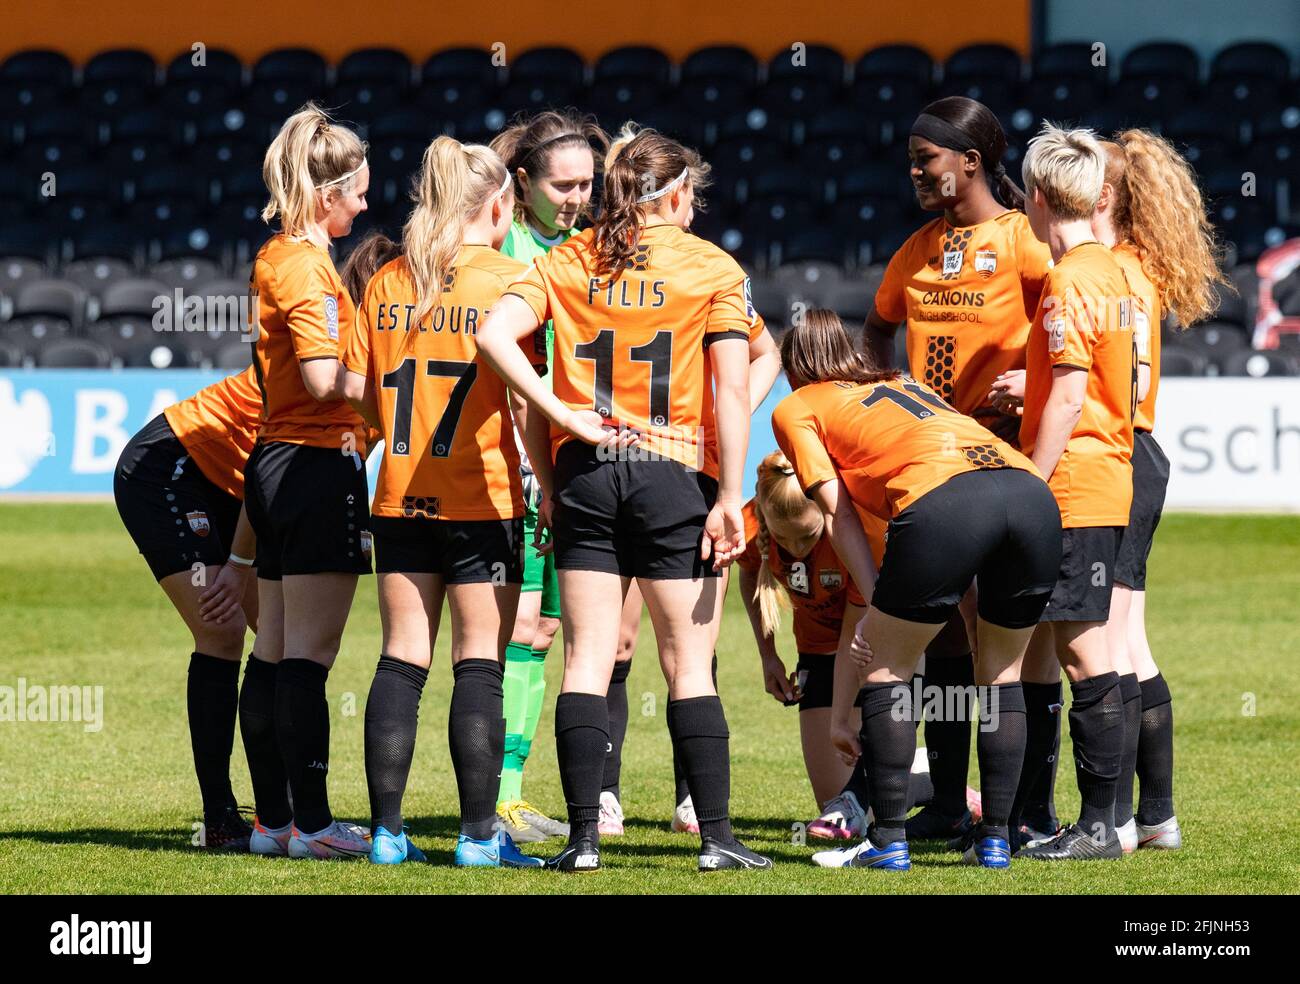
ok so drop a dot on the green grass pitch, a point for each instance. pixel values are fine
(113, 810)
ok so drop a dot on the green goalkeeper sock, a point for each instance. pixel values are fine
(536, 694)
(515, 690)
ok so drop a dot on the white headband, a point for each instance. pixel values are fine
(344, 177)
(506, 183)
(666, 188)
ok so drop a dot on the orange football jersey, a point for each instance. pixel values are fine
(1085, 320)
(1147, 315)
(304, 312)
(889, 442)
(634, 349)
(449, 447)
(968, 296)
(218, 427)
(817, 583)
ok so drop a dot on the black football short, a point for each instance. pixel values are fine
(628, 517)
(310, 509)
(1087, 575)
(174, 513)
(815, 674)
(1000, 527)
(458, 551)
(1150, 482)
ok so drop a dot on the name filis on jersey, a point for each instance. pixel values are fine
(457, 319)
(625, 293)
(102, 938)
(954, 298)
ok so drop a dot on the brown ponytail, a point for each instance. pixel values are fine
(642, 162)
(816, 348)
(364, 261)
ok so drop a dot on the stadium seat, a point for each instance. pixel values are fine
(630, 63)
(73, 353)
(1248, 76)
(545, 76)
(385, 66)
(215, 66)
(298, 66)
(463, 65)
(107, 239)
(185, 272)
(771, 301)
(816, 244)
(984, 64)
(95, 275)
(721, 62)
(38, 67)
(29, 240)
(11, 356)
(1162, 60)
(50, 298)
(811, 282)
(897, 61)
(1258, 364)
(158, 352)
(853, 302)
(16, 270)
(1177, 360)
(803, 80)
(1075, 60)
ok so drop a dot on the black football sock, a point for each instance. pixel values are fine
(212, 700)
(888, 746)
(616, 700)
(392, 714)
(261, 746)
(1000, 748)
(700, 728)
(1042, 739)
(920, 789)
(302, 724)
(681, 788)
(581, 740)
(1097, 732)
(857, 785)
(476, 732)
(1155, 761)
(1131, 693)
(947, 741)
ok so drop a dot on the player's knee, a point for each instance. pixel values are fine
(222, 641)
(545, 634)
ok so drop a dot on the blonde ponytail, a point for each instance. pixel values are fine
(777, 494)
(454, 182)
(311, 153)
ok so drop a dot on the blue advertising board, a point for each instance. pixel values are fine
(61, 431)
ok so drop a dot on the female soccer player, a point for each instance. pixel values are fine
(967, 284)
(552, 159)
(1080, 396)
(636, 303)
(789, 563)
(307, 495)
(1170, 263)
(960, 503)
(179, 487)
(448, 511)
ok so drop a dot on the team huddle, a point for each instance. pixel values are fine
(564, 415)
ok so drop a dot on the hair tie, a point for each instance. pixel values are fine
(343, 177)
(666, 188)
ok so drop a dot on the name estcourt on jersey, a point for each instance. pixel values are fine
(455, 318)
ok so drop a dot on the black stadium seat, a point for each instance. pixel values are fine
(386, 66)
(186, 272)
(73, 353)
(38, 67)
(1177, 360)
(721, 62)
(1258, 364)
(462, 67)
(633, 63)
(295, 66)
(897, 61)
(1162, 60)
(984, 64)
(97, 274)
